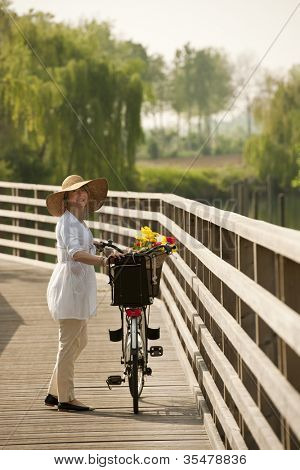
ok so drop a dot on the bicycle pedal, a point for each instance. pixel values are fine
(114, 380)
(156, 351)
(148, 371)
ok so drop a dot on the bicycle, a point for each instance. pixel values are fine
(134, 281)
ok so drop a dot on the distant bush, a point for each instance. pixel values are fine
(5, 171)
(166, 144)
(205, 184)
(225, 145)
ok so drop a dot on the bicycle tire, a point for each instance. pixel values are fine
(135, 382)
(134, 356)
(143, 353)
(142, 360)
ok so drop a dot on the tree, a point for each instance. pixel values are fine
(201, 85)
(275, 151)
(247, 82)
(177, 91)
(212, 85)
(67, 100)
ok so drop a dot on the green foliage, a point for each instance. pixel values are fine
(70, 99)
(212, 81)
(25, 165)
(275, 151)
(226, 145)
(296, 180)
(206, 184)
(200, 83)
(6, 173)
(167, 144)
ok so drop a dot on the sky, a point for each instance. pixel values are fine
(236, 26)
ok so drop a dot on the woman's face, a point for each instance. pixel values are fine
(79, 197)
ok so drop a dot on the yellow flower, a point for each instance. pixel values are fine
(147, 237)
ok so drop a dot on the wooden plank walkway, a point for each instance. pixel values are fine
(168, 417)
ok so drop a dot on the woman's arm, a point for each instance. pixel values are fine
(87, 258)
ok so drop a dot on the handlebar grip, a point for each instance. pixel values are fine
(101, 245)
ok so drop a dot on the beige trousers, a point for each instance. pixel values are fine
(72, 340)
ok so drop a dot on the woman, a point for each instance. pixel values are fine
(72, 289)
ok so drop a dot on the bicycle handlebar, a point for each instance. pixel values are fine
(109, 243)
(168, 248)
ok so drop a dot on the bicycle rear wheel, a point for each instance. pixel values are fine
(142, 359)
(134, 360)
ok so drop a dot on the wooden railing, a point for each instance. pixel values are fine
(232, 292)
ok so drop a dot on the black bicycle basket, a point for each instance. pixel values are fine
(131, 279)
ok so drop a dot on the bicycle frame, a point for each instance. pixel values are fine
(136, 327)
(135, 322)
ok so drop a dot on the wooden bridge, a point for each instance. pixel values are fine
(229, 314)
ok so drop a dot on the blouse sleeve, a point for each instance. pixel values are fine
(73, 237)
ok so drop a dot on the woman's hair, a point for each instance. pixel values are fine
(65, 199)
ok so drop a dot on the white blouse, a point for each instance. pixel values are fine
(72, 289)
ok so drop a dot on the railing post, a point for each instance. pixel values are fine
(14, 221)
(36, 224)
(17, 222)
(119, 205)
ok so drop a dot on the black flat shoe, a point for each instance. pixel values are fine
(51, 400)
(70, 407)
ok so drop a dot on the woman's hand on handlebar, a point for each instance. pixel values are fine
(114, 255)
(104, 260)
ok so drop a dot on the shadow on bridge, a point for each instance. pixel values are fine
(10, 319)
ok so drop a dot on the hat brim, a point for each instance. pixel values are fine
(98, 189)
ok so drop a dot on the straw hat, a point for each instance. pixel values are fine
(97, 193)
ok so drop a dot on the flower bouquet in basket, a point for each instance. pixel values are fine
(146, 238)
